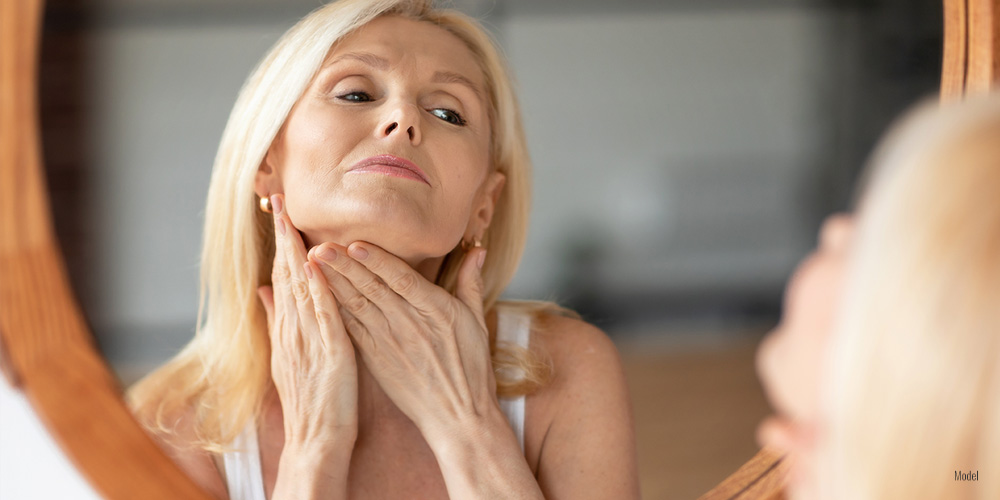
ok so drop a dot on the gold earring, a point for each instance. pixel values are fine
(476, 243)
(265, 204)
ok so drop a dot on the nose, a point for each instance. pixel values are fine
(402, 118)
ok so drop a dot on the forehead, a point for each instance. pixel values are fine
(411, 44)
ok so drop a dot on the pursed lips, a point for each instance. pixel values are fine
(391, 165)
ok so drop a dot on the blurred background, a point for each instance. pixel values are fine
(685, 153)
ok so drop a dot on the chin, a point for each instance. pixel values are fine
(401, 229)
(412, 246)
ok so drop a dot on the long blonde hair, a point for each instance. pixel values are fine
(223, 373)
(914, 385)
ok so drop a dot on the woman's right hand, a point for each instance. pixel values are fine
(313, 368)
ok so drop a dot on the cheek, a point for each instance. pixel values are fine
(791, 359)
(775, 370)
(316, 141)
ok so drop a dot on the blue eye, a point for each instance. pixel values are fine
(355, 97)
(448, 116)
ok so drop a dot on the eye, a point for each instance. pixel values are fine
(449, 116)
(356, 96)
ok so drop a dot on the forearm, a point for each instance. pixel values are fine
(312, 474)
(481, 459)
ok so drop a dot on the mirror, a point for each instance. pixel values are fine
(781, 75)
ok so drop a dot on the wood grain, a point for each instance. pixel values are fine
(49, 353)
(983, 66)
(971, 62)
(762, 478)
(953, 64)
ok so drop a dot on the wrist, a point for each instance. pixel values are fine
(308, 472)
(317, 451)
(480, 457)
(467, 435)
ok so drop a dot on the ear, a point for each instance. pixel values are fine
(486, 205)
(267, 181)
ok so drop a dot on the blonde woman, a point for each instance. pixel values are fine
(367, 207)
(885, 369)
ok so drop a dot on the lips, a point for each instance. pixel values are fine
(390, 165)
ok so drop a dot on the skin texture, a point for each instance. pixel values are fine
(791, 359)
(383, 385)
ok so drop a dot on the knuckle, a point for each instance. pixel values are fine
(477, 286)
(372, 288)
(324, 318)
(299, 290)
(354, 325)
(280, 274)
(405, 283)
(449, 312)
(356, 303)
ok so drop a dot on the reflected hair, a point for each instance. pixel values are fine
(913, 389)
(223, 374)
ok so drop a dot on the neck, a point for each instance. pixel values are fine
(374, 406)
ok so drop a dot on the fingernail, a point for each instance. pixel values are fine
(309, 271)
(326, 254)
(481, 259)
(281, 225)
(358, 252)
(277, 204)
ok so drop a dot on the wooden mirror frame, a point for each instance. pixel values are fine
(47, 351)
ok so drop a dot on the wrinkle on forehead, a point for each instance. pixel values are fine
(387, 40)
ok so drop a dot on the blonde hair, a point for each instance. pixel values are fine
(223, 373)
(913, 392)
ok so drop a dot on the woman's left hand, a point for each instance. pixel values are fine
(428, 350)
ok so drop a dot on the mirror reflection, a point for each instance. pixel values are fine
(684, 154)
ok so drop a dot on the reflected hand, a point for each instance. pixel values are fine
(427, 349)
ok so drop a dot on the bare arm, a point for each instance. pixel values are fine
(589, 447)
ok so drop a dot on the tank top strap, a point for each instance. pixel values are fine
(244, 479)
(514, 327)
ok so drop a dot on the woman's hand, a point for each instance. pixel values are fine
(313, 368)
(427, 349)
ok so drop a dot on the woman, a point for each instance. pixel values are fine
(367, 206)
(885, 369)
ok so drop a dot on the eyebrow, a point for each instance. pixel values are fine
(382, 64)
(377, 62)
(452, 77)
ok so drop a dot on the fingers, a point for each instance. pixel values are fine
(470, 280)
(326, 311)
(360, 291)
(395, 273)
(290, 246)
(290, 288)
(266, 295)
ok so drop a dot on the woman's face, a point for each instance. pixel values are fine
(791, 359)
(389, 144)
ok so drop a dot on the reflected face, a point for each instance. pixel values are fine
(389, 144)
(791, 359)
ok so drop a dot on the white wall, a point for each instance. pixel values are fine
(161, 96)
(679, 139)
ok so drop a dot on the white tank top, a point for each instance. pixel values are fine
(242, 464)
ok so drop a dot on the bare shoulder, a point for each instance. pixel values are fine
(178, 444)
(577, 348)
(585, 362)
(583, 443)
